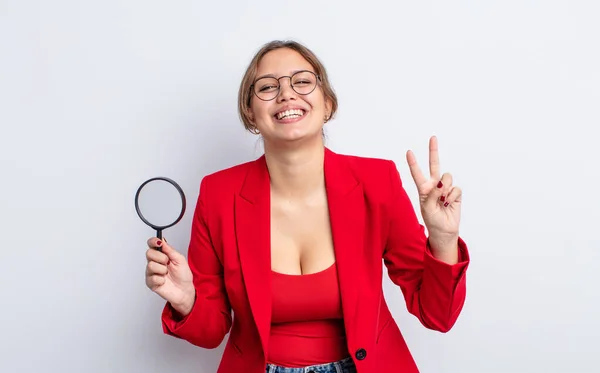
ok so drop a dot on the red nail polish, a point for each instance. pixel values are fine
(446, 204)
(159, 242)
(439, 185)
(442, 198)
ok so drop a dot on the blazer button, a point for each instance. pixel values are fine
(361, 354)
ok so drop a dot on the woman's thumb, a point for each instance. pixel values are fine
(434, 195)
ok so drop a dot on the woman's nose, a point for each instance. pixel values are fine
(286, 92)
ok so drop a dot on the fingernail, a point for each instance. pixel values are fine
(440, 184)
(442, 198)
(446, 204)
(159, 242)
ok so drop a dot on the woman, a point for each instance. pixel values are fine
(293, 242)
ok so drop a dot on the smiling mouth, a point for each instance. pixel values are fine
(290, 114)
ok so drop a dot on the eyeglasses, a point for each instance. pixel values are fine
(302, 82)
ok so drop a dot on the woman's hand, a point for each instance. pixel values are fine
(168, 275)
(440, 202)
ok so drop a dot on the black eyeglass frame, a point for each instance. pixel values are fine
(253, 91)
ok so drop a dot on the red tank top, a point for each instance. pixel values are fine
(307, 325)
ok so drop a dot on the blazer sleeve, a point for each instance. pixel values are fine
(434, 291)
(210, 319)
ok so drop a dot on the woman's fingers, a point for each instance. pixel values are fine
(153, 242)
(155, 281)
(454, 195)
(439, 193)
(153, 255)
(154, 268)
(155, 274)
(434, 158)
(447, 186)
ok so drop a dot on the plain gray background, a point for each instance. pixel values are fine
(98, 96)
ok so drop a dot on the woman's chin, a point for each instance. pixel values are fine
(294, 135)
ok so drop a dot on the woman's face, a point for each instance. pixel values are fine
(289, 116)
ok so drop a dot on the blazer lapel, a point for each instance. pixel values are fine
(252, 225)
(253, 222)
(347, 216)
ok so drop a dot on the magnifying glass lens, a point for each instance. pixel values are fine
(160, 203)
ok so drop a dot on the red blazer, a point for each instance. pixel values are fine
(373, 222)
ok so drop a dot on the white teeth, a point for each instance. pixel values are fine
(290, 114)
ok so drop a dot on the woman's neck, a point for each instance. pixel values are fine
(296, 172)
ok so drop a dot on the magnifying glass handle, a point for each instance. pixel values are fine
(159, 236)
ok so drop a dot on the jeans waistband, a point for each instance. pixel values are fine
(342, 366)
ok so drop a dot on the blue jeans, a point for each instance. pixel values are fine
(343, 366)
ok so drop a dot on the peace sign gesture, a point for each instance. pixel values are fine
(440, 201)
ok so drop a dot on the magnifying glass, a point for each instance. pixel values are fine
(160, 203)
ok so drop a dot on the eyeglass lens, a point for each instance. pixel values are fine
(302, 82)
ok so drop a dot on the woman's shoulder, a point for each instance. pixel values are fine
(367, 163)
(367, 168)
(378, 177)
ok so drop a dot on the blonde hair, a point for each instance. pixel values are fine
(245, 94)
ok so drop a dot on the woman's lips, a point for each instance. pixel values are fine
(290, 115)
